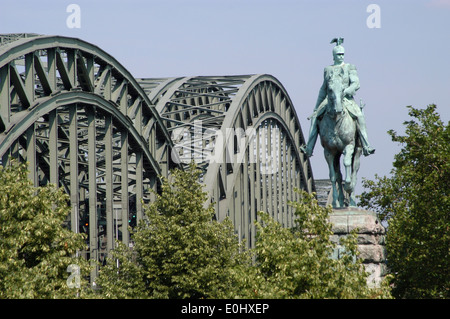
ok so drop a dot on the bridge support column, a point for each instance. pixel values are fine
(92, 186)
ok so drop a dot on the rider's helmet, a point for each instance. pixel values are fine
(338, 49)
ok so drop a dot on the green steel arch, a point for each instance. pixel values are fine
(82, 122)
(244, 133)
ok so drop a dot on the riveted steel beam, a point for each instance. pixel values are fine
(83, 123)
(242, 174)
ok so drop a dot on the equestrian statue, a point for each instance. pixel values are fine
(341, 125)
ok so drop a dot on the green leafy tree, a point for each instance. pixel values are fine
(415, 203)
(179, 251)
(298, 263)
(36, 248)
(122, 277)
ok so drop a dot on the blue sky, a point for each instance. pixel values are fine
(404, 62)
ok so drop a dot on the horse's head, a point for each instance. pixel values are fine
(335, 94)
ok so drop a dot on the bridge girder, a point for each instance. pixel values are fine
(65, 102)
(244, 133)
(82, 122)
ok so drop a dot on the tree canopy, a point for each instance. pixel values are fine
(297, 262)
(414, 201)
(181, 251)
(36, 248)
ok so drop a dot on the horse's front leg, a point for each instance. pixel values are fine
(348, 159)
(337, 170)
(355, 167)
(329, 157)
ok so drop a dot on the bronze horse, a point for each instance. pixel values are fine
(338, 136)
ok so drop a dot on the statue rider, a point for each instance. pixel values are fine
(347, 72)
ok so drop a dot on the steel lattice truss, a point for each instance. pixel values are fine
(244, 133)
(84, 123)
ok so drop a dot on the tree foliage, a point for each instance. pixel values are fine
(415, 203)
(297, 262)
(180, 251)
(35, 247)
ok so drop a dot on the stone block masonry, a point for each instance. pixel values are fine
(370, 237)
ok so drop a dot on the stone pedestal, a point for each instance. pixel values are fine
(371, 236)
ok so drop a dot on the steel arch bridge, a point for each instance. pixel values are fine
(244, 133)
(84, 123)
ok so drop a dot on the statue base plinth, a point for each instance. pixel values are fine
(370, 236)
